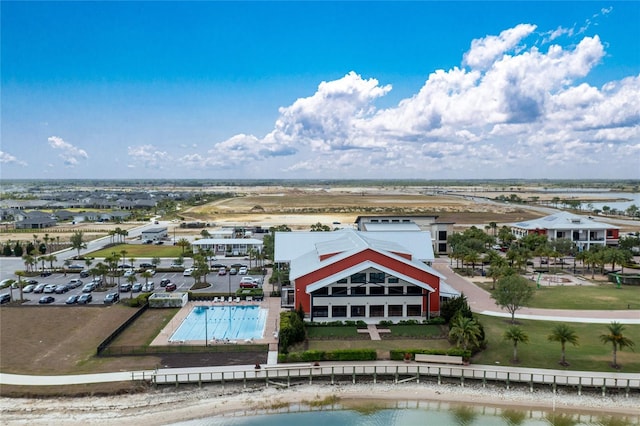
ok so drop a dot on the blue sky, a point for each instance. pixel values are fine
(425, 90)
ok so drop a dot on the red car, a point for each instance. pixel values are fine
(171, 287)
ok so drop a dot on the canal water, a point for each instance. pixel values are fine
(419, 413)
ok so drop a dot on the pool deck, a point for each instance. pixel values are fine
(271, 304)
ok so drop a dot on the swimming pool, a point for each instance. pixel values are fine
(222, 323)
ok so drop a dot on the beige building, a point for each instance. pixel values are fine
(440, 231)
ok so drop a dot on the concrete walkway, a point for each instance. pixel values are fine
(481, 302)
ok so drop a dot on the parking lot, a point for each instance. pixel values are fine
(225, 284)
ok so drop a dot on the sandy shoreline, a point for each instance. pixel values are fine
(170, 405)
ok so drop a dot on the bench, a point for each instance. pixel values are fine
(439, 359)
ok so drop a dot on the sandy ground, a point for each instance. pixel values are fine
(170, 405)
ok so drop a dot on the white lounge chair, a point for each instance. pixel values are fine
(249, 298)
(237, 300)
(230, 299)
(216, 300)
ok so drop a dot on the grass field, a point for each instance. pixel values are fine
(140, 250)
(604, 296)
(591, 355)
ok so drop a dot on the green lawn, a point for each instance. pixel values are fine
(591, 355)
(140, 250)
(601, 296)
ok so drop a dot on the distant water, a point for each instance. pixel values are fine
(409, 413)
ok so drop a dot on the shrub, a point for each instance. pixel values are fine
(291, 330)
(385, 323)
(399, 354)
(337, 355)
(437, 321)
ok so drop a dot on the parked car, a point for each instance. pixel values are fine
(148, 241)
(75, 266)
(125, 287)
(50, 288)
(44, 300)
(39, 288)
(85, 298)
(171, 287)
(45, 273)
(233, 271)
(125, 266)
(61, 288)
(88, 288)
(74, 283)
(28, 288)
(111, 298)
(159, 243)
(222, 271)
(31, 281)
(217, 266)
(145, 265)
(148, 287)
(72, 299)
(151, 271)
(243, 270)
(129, 273)
(84, 273)
(5, 298)
(187, 272)
(248, 282)
(176, 266)
(136, 287)
(164, 282)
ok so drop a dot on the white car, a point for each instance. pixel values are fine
(187, 272)
(151, 271)
(129, 272)
(243, 270)
(176, 266)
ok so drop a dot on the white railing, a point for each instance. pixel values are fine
(399, 373)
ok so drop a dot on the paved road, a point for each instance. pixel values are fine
(480, 301)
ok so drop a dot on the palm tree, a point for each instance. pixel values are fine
(465, 331)
(516, 335)
(617, 339)
(77, 241)
(183, 243)
(564, 334)
(51, 258)
(146, 275)
(131, 279)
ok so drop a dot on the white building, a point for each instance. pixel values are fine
(584, 231)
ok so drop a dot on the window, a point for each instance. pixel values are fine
(442, 235)
(320, 311)
(560, 234)
(376, 311)
(357, 311)
(412, 289)
(376, 277)
(324, 291)
(360, 277)
(339, 291)
(376, 290)
(342, 281)
(339, 311)
(393, 280)
(414, 310)
(396, 290)
(395, 310)
(361, 290)
(442, 247)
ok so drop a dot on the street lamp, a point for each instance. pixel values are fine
(206, 323)
(229, 273)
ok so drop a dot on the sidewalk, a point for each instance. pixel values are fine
(480, 301)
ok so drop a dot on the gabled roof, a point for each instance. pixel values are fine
(290, 245)
(563, 220)
(366, 265)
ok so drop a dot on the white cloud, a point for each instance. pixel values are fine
(6, 158)
(506, 107)
(70, 153)
(148, 156)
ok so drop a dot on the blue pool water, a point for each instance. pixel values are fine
(222, 322)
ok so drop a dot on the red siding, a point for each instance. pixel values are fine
(301, 283)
